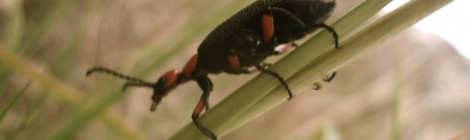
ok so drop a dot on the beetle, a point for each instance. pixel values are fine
(239, 46)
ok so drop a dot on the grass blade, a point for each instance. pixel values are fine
(12, 102)
(61, 90)
(245, 104)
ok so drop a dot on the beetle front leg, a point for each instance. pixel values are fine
(206, 85)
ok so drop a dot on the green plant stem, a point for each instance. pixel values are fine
(251, 100)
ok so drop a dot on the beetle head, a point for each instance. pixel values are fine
(164, 85)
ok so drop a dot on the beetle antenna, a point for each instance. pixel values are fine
(116, 74)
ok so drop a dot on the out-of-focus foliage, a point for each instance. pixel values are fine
(414, 86)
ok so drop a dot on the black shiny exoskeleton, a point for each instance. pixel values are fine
(240, 45)
(292, 20)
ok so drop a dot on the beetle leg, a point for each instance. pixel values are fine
(206, 85)
(289, 14)
(331, 30)
(262, 67)
(278, 77)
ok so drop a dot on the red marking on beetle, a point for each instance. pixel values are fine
(268, 27)
(234, 62)
(190, 67)
(199, 107)
(170, 78)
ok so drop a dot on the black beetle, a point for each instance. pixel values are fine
(240, 45)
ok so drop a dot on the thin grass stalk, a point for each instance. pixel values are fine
(63, 65)
(368, 38)
(343, 26)
(9, 105)
(387, 26)
(15, 26)
(12, 35)
(32, 38)
(239, 103)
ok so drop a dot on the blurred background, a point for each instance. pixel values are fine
(413, 86)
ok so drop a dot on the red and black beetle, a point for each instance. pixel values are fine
(240, 45)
